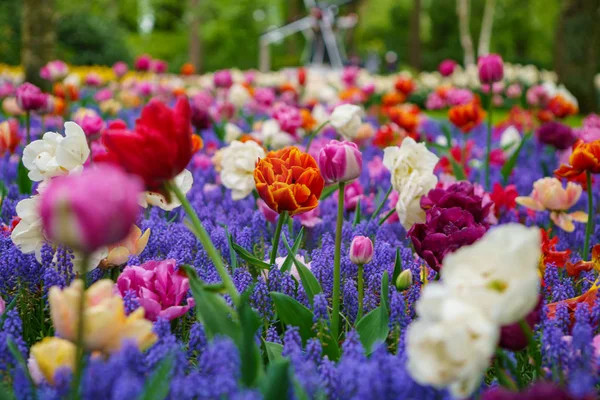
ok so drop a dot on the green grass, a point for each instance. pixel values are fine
(501, 115)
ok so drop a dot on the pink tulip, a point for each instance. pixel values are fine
(349, 75)
(159, 66)
(31, 98)
(142, 63)
(447, 67)
(223, 79)
(90, 210)
(361, 250)
(159, 287)
(340, 161)
(103, 95)
(92, 124)
(289, 118)
(2, 305)
(269, 214)
(54, 70)
(491, 68)
(120, 68)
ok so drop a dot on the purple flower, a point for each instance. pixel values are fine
(541, 390)
(30, 97)
(223, 79)
(512, 336)
(460, 194)
(447, 67)
(159, 288)
(491, 68)
(555, 134)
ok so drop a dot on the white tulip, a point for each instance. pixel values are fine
(510, 140)
(238, 162)
(232, 132)
(408, 206)
(346, 120)
(28, 234)
(184, 182)
(238, 95)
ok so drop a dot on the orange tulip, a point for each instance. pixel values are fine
(187, 69)
(584, 158)
(588, 298)
(392, 99)
(405, 85)
(9, 136)
(308, 121)
(561, 107)
(289, 180)
(466, 116)
(197, 144)
(404, 117)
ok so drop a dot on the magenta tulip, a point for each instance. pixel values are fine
(491, 68)
(361, 250)
(120, 68)
(30, 97)
(223, 79)
(340, 161)
(447, 67)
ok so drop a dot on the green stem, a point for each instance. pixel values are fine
(314, 134)
(380, 206)
(503, 378)
(532, 346)
(488, 150)
(280, 222)
(76, 388)
(28, 127)
(386, 216)
(361, 290)
(335, 317)
(202, 235)
(505, 362)
(590, 224)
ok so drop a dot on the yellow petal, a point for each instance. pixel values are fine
(563, 221)
(530, 203)
(579, 216)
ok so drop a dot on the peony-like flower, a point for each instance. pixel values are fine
(451, 344)
(584, 158)
(238, 163)
(160, 146)
(159, 288)
(346, 120)
(549, 194)
(120, 68)
(223, 79)
(132, 245)
(106, 327)
(557, 135)
(238, 95)
(289, 118)
(460, 194)
(272, 135)
(466, 117)
(55, 155)
(9, 136)
(85, 211)
(28, 235)
(51, 354)
(447, 67)
(142, 62)
(340, 161)
(183, 181)
(411, 160)
(30, 97)
(361, 250)
(491, 68)
(499, 272)
(289, 180)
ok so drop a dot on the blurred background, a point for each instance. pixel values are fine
(381, 35)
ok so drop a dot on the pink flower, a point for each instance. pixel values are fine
(264, 97)
(537, 96)
(368, 89)
(91, 123)
(361, 250)
(54, 70)
(159, 66)
(85, 211)
(103, 95)
(392, 201)
(308, 219)
(514, 91)
(120, 68)
(340, 161)
(159, 288)
(223, 79)
(202, 161)
(491, 68)
(435, 102)
(457, 97)
(377, 171)
(549, 194)
(93, 79)
(447, 67)
(31, 98)
(6, 89)
(269, 214)
(145, 89)
(353, 192)
(349, 75)
(289, 118)
(142, 63)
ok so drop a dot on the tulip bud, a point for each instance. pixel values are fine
(340, 161)
(361, 250)
(30, 97)
(491, 68)
(120, 68)
(52, 353)
(91, 210)
(447, 67)
(404, 280)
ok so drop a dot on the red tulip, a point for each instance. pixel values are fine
(159, 147)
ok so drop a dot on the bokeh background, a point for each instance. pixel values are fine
(560, 35)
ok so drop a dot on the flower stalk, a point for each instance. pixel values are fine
(488, 147)
(590, 224)
(80, 349)
(280, 221)
(335, 318)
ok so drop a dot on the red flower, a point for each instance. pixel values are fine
(466, 116)
(575, 269)
(384, 137)
(549, 253)
(504, 198)
(405, 85)
(159, 147)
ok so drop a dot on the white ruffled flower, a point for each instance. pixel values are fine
(272, 136)
(346, 120)
(408, 206)
(55, 155)
(232, 132)
(510, 140)
(28, 235)
(238, 163)
(184, 182)
(238, 95)
(451, 343)
(499, 272)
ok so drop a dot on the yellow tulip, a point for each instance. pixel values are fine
(133, 244)
(105, 324)
(53, 353)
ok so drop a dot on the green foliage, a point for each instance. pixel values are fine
(10, 31)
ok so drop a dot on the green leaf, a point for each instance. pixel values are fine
(23, 180)
(397, 266)
(447, 134)
(232, 254)
(274, 351)
(373, 328)
(276, 383)
(385, 289)
(9, 307)
(310, 283)
(219, 129)
(509, 165)
(249, 351)
(14, 350)
(5, 393)
(292, 252)
(457, 169)
(211, 309)
(357, 215)
(250, 258)
(157, 387)
(328, 191)
(381, 203)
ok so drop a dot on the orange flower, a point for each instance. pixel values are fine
(351, 94)
(187, 69)
(61, 90)
(59, 106)
(308, 122)
(404, 117)
(575, 269)
(9, 136)
(197, 143)
(550, 255)
(392, 99)
(287, 87)
(466, 116)
(584, 158)
(561, 107)
(178, 92)
(289, 180)
(405, 85)
(588, 298)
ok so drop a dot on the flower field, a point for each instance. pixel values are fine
(304, 234)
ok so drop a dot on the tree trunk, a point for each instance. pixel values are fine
(414, 57)
(485, 37)
(38, 36)
(462, 9)
(576, 50)
(194, 41)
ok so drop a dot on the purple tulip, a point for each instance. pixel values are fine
(557, 135)
(447, 67)
(200, 105)
(340, 161)
(539, 391)
(491, 68)
(462, 195)
(142, 63)
(512, 336)
(120, 68)
(85, 211)
(223, 79)
(159, 288)
(31, 98)
(361, 250)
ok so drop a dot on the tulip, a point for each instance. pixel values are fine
(558, 135)
(132, 245)
(340, 161)
(9, 136)
(466, 117)
(30, 97)
(120, 68)
(346, 120)
(491, 68)
(289, 118)
(2, 306)
(512, 336)
(51, 354)
(404, 280)
(187, 69)
(361, 250)
(447, 67)
(86, 211)
(142, 63)
(159, 66)
(105, 326)
(54, 70)
(159, 288)
(160, 146)
(223, 79)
